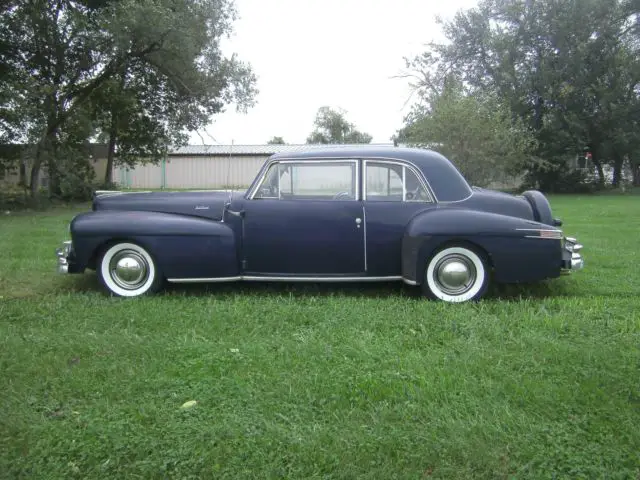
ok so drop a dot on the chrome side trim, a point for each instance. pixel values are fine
(364, 234)
(543, 233)
(410, 282)
(253, 278)
(204, 280)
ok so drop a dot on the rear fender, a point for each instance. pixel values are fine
(183, 246)
(512, 255)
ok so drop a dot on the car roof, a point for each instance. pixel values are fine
(445, 180)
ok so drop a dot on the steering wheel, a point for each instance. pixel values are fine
(338, 195)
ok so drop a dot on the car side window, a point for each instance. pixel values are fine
(330, 180)
(393, 182)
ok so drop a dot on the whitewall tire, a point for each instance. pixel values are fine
(456, 274)
(128, 270)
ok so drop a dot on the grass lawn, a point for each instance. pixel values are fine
(539, 381)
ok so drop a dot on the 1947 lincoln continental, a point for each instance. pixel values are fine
(333, 214)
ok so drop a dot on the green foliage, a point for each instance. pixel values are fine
(77, 176)
(570, 71)
(475, 131)
(13, 197)
(276, 141)
(331, 126)
(143, 71)
(326, 381)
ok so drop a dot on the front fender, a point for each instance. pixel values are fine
(184, 246)
(514, 257)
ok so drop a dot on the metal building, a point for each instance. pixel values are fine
(203, 167)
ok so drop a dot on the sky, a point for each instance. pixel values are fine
(338, 53)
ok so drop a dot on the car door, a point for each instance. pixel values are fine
(393, 193)
(305, 219)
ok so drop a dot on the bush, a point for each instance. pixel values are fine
(15, 197)
(559, 179)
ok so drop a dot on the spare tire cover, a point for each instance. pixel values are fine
(540, 206)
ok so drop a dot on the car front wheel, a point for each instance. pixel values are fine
(128, 270)
(456, 274)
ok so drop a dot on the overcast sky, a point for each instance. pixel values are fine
(340, 53)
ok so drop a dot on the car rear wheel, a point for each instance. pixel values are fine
(456, 274)
(128, 270)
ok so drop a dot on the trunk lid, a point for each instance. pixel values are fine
(499, 202)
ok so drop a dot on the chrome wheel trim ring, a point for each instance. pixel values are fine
(455, 274)
(130, 290)
(471, 258)
(129, 269)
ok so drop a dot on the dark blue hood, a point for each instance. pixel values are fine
(205, 204)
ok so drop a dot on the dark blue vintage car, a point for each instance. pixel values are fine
(340, 214)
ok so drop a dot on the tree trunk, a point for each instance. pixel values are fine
(600, 173)
(22, 173)
(635, 171)
(113, 137)
(617, 170)
(52, 167)
(113, 131)
(34, 184)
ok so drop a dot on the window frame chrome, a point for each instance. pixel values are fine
(302, 161)
(406, 165)
(360, 184)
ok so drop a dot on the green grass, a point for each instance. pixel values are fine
(537, 381)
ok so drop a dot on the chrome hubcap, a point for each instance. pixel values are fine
(455, 274)
(129, 269)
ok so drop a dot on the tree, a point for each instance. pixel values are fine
(331, 126)
(475, 131)
(568, 70)
(276, 141)
(159, 58)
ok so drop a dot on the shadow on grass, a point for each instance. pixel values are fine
(555, 288)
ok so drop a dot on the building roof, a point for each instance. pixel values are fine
(263, 150)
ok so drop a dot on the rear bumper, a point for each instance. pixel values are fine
(571, 258)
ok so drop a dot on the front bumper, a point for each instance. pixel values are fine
(64, 253)
(571, 258)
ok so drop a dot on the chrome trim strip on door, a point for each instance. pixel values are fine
(321, 279)
(254, 278)
(204, 280)
(364, 234)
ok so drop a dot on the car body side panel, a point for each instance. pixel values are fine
(283, 237)
(385, 224)
(514, 257)
(184, 247)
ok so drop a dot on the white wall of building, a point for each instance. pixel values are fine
(184, 172)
